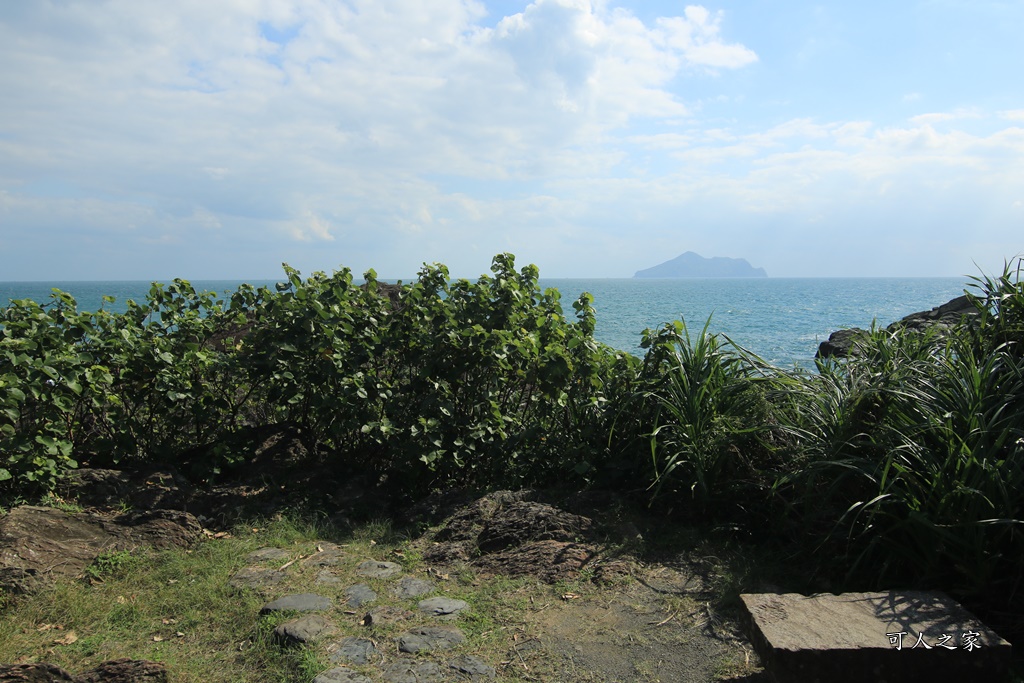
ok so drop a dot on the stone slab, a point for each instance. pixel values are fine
(304, 602)
(882, 636)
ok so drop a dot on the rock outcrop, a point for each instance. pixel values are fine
(843, 343)
(38, 544)
(114, 671)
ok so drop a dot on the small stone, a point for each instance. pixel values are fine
(303, 602)
(268, 555)
(303, 630)
(359, 595)
(353, 650)
(473, 667)
(442, 606)
(413, 672)
(341, 675)
(256, 577)
(413, 588)
(327, 577)
(378, 570)
(430, 638)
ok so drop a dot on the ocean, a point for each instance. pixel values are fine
(782, 320)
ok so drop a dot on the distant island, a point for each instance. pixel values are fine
(695, 265)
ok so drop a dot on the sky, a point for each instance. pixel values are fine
(216, 140)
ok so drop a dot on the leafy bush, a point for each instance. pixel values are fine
(433, 383)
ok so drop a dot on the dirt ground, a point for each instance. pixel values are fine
(652, 627)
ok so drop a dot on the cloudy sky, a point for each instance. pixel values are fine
(148, 140)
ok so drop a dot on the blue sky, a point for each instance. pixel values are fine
(145, 140)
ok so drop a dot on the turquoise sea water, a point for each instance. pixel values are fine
(781, 319)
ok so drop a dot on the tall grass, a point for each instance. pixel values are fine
(908, 463)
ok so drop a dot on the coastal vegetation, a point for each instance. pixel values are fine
(900, 466)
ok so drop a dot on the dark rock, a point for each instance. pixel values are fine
(466, 523)
(268, 555)
(945, 316)
(303, 602)
(525, 522)
(39, 542)
(378, 570)
(256, 577)
(161, 490)
(404, 671)
(353, 650)
(413, 588)
(430, 638)
(450, 553)
(512, 533)
(126, 671)
(96, 487)
(472, 667)
(34, 673)
(441, 606)
(161, 529)
(549, 561)
(113, 671)
(857, 637)
(307, 629)
(341, 675)
(840, 344)
(843, 343)
(359, 595)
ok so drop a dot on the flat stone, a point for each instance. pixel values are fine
(442, 606)
(413, 588)
(413, 672)
(256, 577)
(429, 638)
(359, 595)
(303, 602)
(307, 629)
(327, 555)
(352, 650)
(268, 555)
(378, 570)
(341, 675)
(893, 636)
(473, 667)
(327, 577)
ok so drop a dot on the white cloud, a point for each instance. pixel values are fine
(310, 227)
(955, 115)
(697, 36)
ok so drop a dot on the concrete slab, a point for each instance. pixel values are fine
(886, 636)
